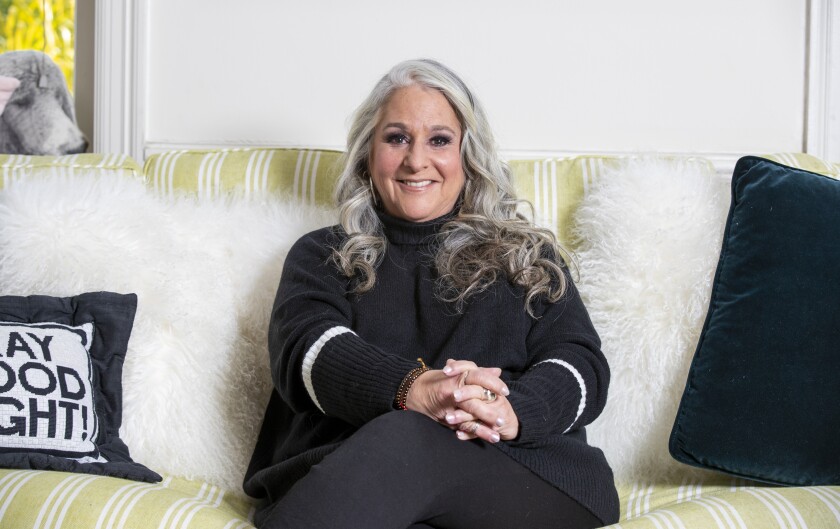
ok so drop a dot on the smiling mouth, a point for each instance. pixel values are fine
(416, 183)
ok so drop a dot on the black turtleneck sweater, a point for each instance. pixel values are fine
(337, 360)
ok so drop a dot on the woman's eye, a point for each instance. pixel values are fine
(440, 141)
(397, 138)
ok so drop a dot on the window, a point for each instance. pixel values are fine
(43, 25)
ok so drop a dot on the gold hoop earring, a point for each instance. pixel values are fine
(372, 189)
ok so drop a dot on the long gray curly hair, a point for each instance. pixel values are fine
(486, 240)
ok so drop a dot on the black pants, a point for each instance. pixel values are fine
(404, 471)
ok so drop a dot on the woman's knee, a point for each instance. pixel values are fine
(402, 433)
(401, 424)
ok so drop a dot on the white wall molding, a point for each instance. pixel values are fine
(822, 128)
(120, 67)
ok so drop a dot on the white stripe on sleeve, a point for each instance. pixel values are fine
(580, 382)
(312, 355)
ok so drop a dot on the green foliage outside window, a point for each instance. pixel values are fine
(22, 25)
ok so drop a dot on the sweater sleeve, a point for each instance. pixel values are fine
(317, 361)
(565, 385)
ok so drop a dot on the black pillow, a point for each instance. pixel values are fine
(61, 383)
(762, 400)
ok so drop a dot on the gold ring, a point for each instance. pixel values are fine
(474, 428)
(489, 396)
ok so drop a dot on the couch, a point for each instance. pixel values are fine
(200, 236)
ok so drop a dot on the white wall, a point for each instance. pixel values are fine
(712, 77)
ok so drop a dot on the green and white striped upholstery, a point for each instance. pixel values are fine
(308, 175)
(53, 500)
(16, 167)
(728, 503)
(807, 162)
(555, 186)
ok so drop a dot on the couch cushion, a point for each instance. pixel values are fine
(726, 503)
(30, 498)
(301, 174)
(801, 160)
(61, 373)
(761, 395)
(15, 167)
(59, 500)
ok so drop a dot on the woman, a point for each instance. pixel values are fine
(433, 363)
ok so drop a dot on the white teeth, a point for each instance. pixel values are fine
(421, 183)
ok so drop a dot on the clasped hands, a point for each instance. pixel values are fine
(457, 397)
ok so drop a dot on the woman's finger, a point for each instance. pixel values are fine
(473, 429)
(498, 415)
(475, 409)
(474, 392)
(456, 418)
(485, 379)
(457, 367)
(491, 419)
(468, 373)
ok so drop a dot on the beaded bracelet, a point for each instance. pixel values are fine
(405, 385)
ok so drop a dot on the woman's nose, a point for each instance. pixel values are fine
(416, 158)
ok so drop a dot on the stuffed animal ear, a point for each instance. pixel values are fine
(8, 85)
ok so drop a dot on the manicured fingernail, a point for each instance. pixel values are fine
(500, 422)
(505, 391)
(495, 438)
(457, 395)
(461, 435)
(450, 418)
(447, 370)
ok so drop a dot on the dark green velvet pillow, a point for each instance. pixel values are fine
(762, 400)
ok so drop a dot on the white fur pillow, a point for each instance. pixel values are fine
(650, 235)
(195, 381)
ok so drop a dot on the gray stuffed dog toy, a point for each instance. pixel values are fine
(39, 117)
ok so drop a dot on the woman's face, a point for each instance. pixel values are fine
(415, 159)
